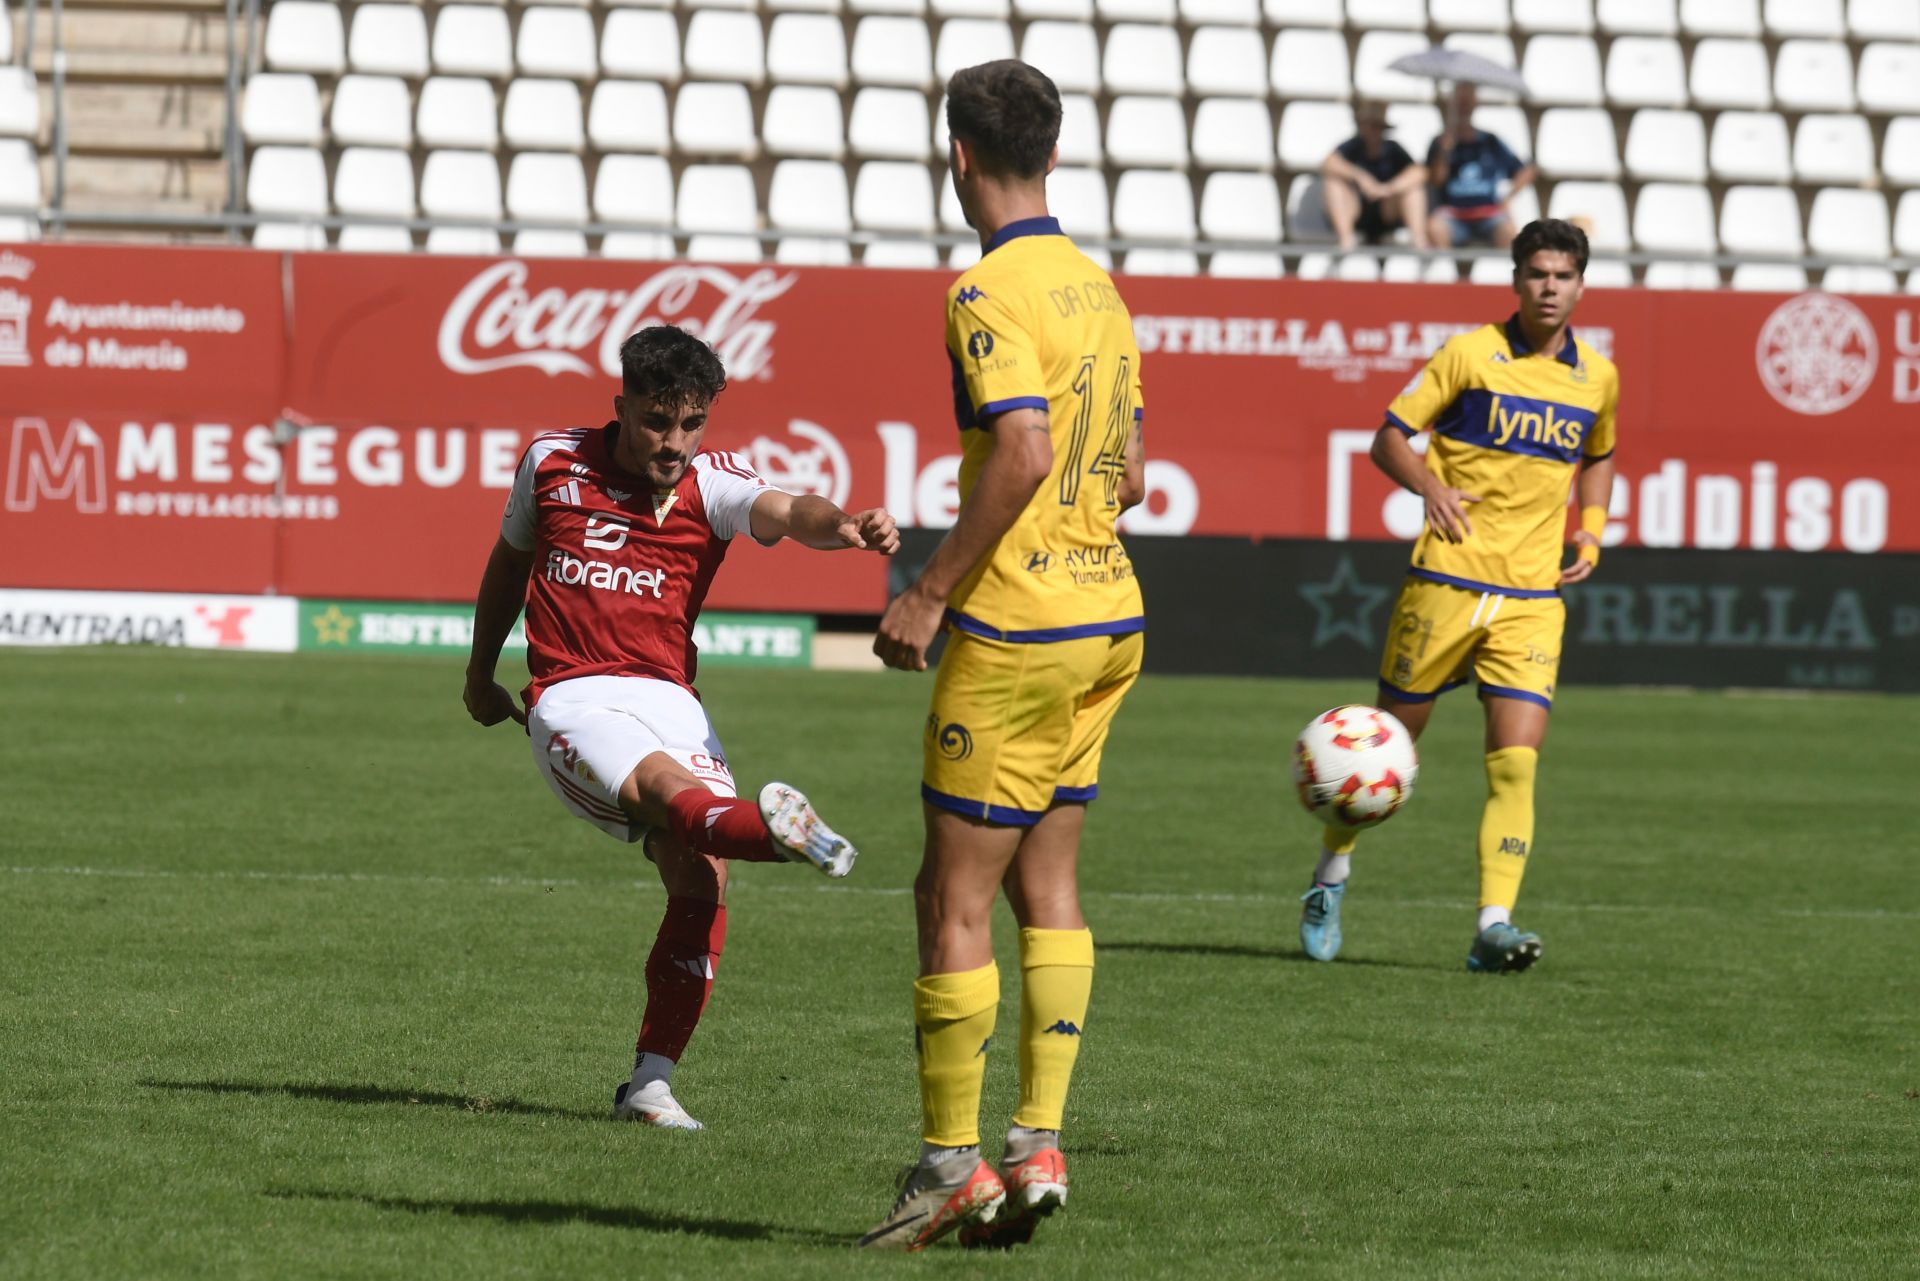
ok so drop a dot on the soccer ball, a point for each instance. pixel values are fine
(1354, 766)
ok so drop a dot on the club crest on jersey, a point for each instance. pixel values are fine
(662, 504)
(980, 344)
(606, 533)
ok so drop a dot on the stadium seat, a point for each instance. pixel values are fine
(559, 42)
(1079, 130)
(811, 196)
(1240, 206)
(1677, 218)
(290, 237)
(714, 119)
(1577, 142)
(774, 6)
(1883, 19)
(1442, 271)
(1310, 64)
(1302, 13)
(1063, 10)
(954, 218)
(710, 247)
(19, 174)
(1306, 213)
(1750, 146)
(631, 115)
(892, 51)
(812, 251)
(717, 198)
(376, 181)
(1374, 78)
(1681, 275)
(1805, 18)
(1730, 73)
(1494, 47)
(890, 7)
(634, 189)
(20, 104)
(1600, 203)
(893, 195)
(967, 42)
(1608, 273)
(1666, 145)
(1900, 152)
(1246, 264)
(1078, 198)
(1150, 204)
(1858, 278)
(6, 44)
(1233, 133)
(280, 106)
(1415, 125)
(908, 255)
(1721, 18)
(1769, 277)
(686, 4)
(1159, 11)
(890, 124)
(470, 40)
(1161, 262)
(389, 40)
(1813, 75)
(457, 112)
(1227, 60)
(1067, 52)
(1637, 17)
(371, 111)
(972, 8)
(641, 44)
(1405, 15)
(1849, 224)
(1646, 71)
(549, 242)
(287, 180)
(807, 48)
(1760, 220)
(370, 238)
(1147, 132)
(1524, 206)
(1402, 269)
(1562, 69)
(471, 241)
(724, 45)
(1570, 16)
(1890, 77)
(304, 35)
(1142, 59)
(804, 120)
(460, 184)
(543, 115)
(1833, 149)
(1906, 226)
(1470, 15)
(1509, 124)
(1225, 13)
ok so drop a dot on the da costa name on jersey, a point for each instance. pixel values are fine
(569, 570)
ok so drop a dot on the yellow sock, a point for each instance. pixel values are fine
(1339, 840)
(1056, 971)
(953, 1015)
(1506, 825)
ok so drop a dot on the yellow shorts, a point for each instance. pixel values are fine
(1017, 728)
(1443, 635)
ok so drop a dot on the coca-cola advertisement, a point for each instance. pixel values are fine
(362, 447)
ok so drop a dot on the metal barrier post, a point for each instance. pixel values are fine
(59, 122)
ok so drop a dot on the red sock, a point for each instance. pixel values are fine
(680, 974)
(721, 826)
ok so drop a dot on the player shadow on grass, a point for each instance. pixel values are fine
(632, 1218)
(478, 1103)
(1243, 949)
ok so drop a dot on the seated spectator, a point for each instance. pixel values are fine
(1373, 186)
(1466, 166)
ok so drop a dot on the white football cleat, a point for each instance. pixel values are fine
(798, 831)
(652, 1104)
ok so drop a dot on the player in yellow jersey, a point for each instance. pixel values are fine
(1044, 622)
(1515, 411)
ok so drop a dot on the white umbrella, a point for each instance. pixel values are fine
(1459, 66)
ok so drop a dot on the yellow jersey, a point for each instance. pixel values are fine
(1037, 324)
(1510, 425)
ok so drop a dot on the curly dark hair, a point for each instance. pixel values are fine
(1555, 234)
(1008, 112)
(670, 365)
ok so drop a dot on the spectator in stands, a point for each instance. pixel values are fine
(1373, 185)
(1466, 166)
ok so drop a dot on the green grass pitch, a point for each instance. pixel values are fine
(304, 975)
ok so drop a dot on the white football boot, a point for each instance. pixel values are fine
(652, 1104)
(798, 831)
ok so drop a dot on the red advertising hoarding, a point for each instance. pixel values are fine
(139, 389)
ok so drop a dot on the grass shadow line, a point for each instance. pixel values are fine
(371, 1094)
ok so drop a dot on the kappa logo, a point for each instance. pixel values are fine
(1063, 1027)
(1500, 358)
(971, 293)
(606, 533)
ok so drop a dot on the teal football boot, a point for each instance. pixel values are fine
(1502, 949)
(1320, 921)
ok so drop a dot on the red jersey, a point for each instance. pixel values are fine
(620, 569)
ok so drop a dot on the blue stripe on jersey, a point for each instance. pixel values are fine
(1475, 585)
(1516, 424)
(962, 402)
(1006, 814)
(1524, 695)
(1408, 696)
(1023, 227)
(1046, 635)
(1011, 402)
(1401, 423)
(1076, 793)
(1597, 458)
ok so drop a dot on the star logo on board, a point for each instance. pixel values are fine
(333, 627)
(1343, 606)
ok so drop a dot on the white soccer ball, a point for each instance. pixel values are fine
(1354, 766)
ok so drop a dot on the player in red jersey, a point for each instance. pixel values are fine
(610, 539)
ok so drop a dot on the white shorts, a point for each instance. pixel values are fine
(589, 733)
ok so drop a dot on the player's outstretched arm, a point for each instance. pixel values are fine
(1446, 506)
(502, 594)
(816, 522)
(1595, 489)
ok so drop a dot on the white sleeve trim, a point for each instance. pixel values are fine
(728, 487)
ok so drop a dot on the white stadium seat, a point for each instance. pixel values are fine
(915, 7)
(1310, 64)
(972, 8)
(711, 247)
(1637, 17)
(290, 237)
(714, 119)
(558, 42)
(473, 241)
(1890, 77)
(1234, 133)
(1883, 19)
(1373, 77)
(20, 181)
(1681, 275)
(1833, 149)
(641, 44)
(967, 42)
(1161, 262)
(954, 218)
(892, 51)
(1760, 220)
(1750, 146)
(549, 242)
(1806, 18)
(1601, 203)
(1309, 131)
(1227, 60)
(543, 115)
(1849, 224)
(1906, 226)
(902, 255)
(1858, 278)
(1147, 132)
(1150, 204)
(1407, 15)
(717, 198)
(812, 251)
(1608, 273)
(809, 195)
(1402, 269)
(1246, 264)
(20, 104)
(777, 6)
(890, 124)
(1229, 13)
(1067, 52)
(1900, 152)
(807, 48)
(369, 238)
(893, 195)
(303, 35)
(1496, 48)
(1142, 59)
(459, 112)
(1813, 75)
(1493, 270)
(1240, 206)
(1563, 69)
(280, 106)
(470, 40)
(1677, 218)
(389, 40)
(287, 180)
(1160, 11)
(1667, 145)
(723, 45)
(1577, 142)
(1574, 16)
(1470, 15)
(1646, 71)
(1078, 198)
(1730, 73)
(804, 120)
(371, 111)
(1079, 130)
(634, 189)
(688, 4)
(1721, 18)
(460, 184)
(631, 115)
(376, 181)
(1769, 277)
(1509, 124)
(1064, 10)
(1302, 13)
